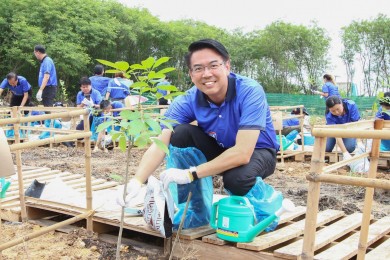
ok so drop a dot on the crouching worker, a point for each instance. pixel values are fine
(234, 132)
(103, 140)
(341, 111)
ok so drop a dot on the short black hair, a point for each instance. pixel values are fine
(104, 104)
(98, 70)
(40, 48)
(85, 81)
(332, 101)
(297, 111)
(204, 44)
(12, 75)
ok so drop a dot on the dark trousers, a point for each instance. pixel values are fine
(17, 101)
(238, 180)
(48, 95)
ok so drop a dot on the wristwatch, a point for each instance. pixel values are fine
(193, 173)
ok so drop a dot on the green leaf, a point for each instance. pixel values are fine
(148, 63)
(122, 65)
(160, 144)
(122, 143)
(130, 115)
(145, 89)
(154, 125)
(104, 125)
(116, 177)
(139, 84)
(167, 124)
(166, 70)
(141, 141)
(136, 127)
(138, 67)
(167, 87)
(125, 124)
(116, 135)
(106, 62)
(112, 71)
(160, 61)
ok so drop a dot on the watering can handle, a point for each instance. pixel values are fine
(241, 199)
(214, 215)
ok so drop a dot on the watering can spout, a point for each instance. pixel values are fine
(287, 206)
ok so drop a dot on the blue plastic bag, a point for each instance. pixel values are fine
(199, 209)
(266, 201)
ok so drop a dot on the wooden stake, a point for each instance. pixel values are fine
(378, 125)
(313, 196)
(88, 185)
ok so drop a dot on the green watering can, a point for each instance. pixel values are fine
(234, 219)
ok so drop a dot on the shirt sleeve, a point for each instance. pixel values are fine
(354, 112)
(379, 113)
(4, 84)
(46, 67)
(79, 98)
(25, 86)
(254, 109)
(98, 98)
(325, 88)
(181, 110)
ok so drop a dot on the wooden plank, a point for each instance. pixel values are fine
(349, 247)
(382, 251)
(289, 232)
(106, 185)
(323, 237)
(194, 233)
(288, 216)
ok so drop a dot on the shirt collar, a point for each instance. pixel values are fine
(231, 93)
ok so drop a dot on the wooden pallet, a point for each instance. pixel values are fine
(337, 237)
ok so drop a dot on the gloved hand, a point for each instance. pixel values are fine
(175, 175)
(133, 188)
(317, 92)
(346, 156)
(39, 95)
(88, 103)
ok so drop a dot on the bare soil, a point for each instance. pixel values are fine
(289, 178)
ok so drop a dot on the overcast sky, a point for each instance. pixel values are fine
(256, 14)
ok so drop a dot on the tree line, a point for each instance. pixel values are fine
(283, 57)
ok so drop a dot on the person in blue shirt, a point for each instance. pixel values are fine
(103, 139)
(20, 89)
(341, 111)
(118, 88)
(292, 124)
(87, 97)
(234, 131)
(329, 88)
(164, 82)
(47, 78)
(384, 113)
(98, 81)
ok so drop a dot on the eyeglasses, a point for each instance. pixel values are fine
(212, 67)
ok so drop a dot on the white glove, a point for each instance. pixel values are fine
(175, 175)
(346, 156)
(133, 188)
(39, 95)
(88, 103)
(317, 92)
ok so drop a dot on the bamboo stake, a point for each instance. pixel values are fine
(344, 162)
(313, 196)
(46, 129)
(55, 139)
(348, 180)
(15, 114)
(88, 185)
(351, 133)
(378, 125)
(46, 230)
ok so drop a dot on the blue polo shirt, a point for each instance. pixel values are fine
(331, 89)
(100, 83)
(351, 114)
(115, 105)
(162, 91)
(95, 96)
(121, 90)
(383, 114)
(245, 107)
(21, 87)
(47, 67)
(291, 122)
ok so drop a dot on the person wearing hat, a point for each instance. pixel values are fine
(292, 124)
(234, 132)
(384, 113)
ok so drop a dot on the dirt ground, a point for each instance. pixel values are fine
(289, 178)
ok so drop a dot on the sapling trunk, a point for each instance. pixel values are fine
(118, 246)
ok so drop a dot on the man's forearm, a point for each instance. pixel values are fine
(341, 145)
(44, 82)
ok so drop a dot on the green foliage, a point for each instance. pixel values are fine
(141, 126)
